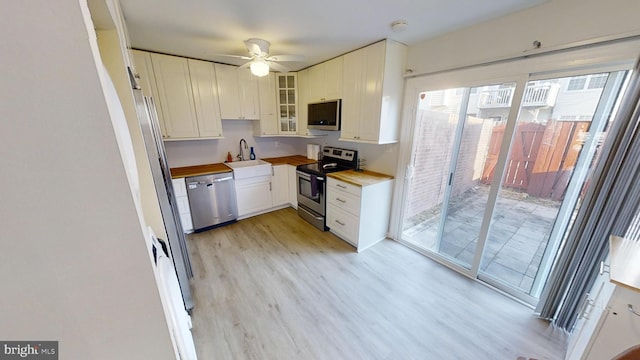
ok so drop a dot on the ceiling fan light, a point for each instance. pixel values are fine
(259, 68)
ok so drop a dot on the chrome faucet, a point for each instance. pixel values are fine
(241, 154)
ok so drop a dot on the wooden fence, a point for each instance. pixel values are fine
(542, 157)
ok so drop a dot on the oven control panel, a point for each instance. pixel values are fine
(338, 153)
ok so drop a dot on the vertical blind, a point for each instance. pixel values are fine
(609, 206)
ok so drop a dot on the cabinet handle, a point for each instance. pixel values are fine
(270, 187)
(586, 311)
(630, 308)
(604, 268)
(341, 186)
(340, 222)
(342, 201)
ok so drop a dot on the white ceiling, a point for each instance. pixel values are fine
(320, 30)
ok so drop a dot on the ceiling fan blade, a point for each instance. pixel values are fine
(286, 58)
(278, 67)
(232, 56)
(245, 65)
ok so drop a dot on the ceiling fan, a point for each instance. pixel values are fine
(260, 60)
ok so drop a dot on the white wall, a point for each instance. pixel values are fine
(555, 24)
(74, 266)
(381, 158)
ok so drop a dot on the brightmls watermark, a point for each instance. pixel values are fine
(30, 350)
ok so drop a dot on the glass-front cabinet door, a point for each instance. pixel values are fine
(287, 103)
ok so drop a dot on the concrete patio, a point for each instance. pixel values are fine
(516, 242)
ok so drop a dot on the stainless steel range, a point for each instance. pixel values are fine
(312, 183)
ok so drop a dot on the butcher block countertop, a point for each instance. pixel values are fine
(294, 160)
(196, 170)
(199, 170)
(360, 178)
(625, 267)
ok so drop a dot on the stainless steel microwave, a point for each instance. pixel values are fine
(324, 115)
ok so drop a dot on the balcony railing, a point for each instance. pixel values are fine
(534, 96)
(499, 98)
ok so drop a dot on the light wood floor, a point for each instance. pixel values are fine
(274, 287)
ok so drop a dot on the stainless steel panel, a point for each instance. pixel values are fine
(311, 217)
(305, 197)
(146, 112)
(212, 200)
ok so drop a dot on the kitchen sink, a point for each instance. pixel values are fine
(250, 168)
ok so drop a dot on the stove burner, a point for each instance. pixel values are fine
(335, 159)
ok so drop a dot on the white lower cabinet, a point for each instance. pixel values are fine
(260, 194)
(606, 327)
(293, 186)
(182, 200)
(609, 320)
(620, 328)
(253, 195)
(279, 186)
(359, 214)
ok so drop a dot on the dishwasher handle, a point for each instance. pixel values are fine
(193, 184)
(223, 179)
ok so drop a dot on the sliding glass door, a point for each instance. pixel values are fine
(497, 171)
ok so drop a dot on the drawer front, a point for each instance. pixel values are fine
(343, 186)
(343, 224)
(344, 200)
(187, 224)
(179, 187)
(183, 205)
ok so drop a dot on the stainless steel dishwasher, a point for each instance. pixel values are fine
(212, 199)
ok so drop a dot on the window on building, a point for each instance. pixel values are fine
(577, 83)
(597, 81)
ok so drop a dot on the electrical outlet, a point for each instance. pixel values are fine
(276, 144)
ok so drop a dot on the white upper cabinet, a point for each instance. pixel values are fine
(268, 124)
(371, 75)
(185, 92)
(249, 94)
(238, 93)
(287, 100)
(303, 100)
(175, 96)
(228, 91)
(205, 96)
(144, 70)
(325, 80)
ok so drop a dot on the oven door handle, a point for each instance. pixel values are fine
(308, 176)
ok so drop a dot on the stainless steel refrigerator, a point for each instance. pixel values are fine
(147, 116)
